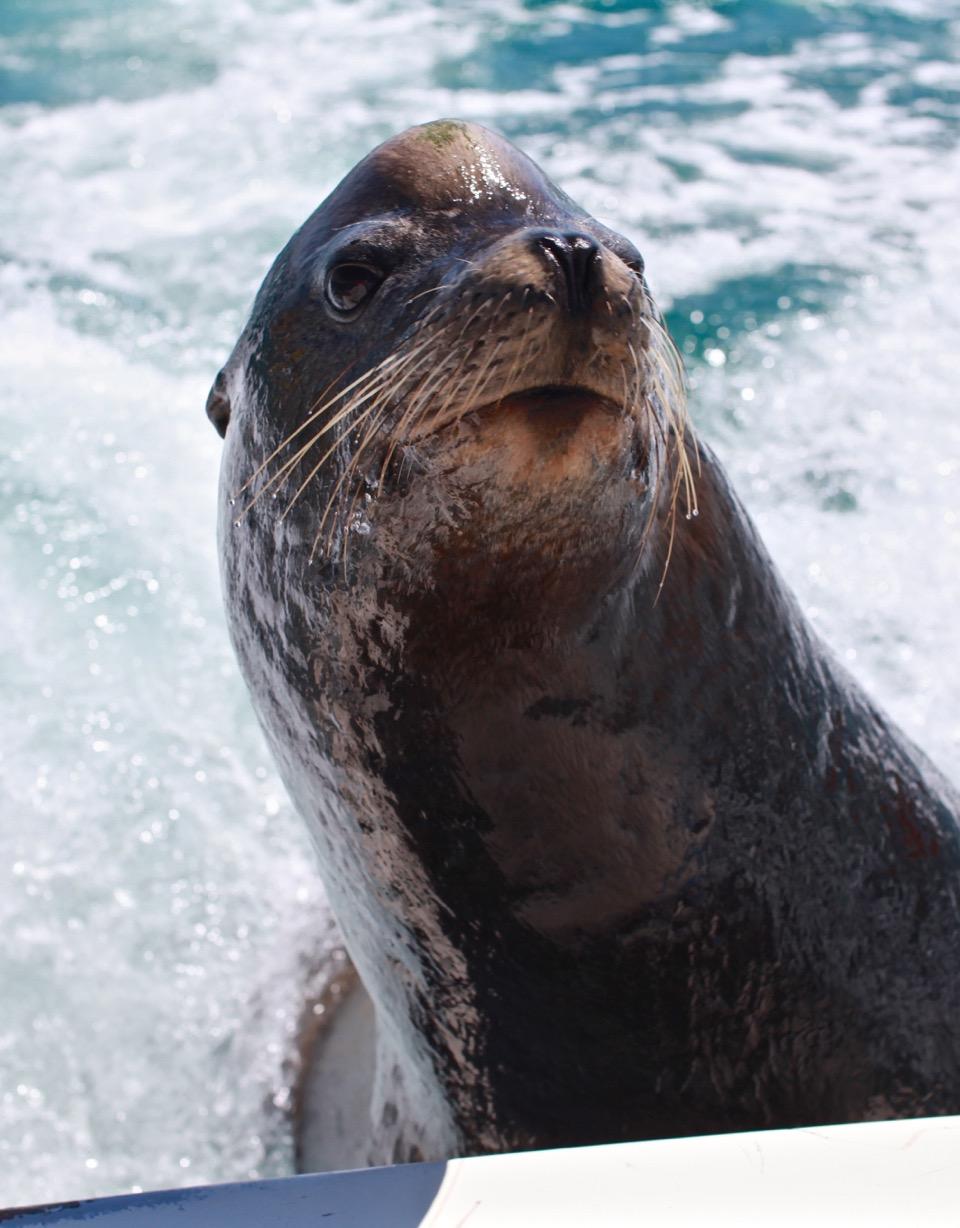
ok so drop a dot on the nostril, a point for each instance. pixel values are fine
(577, 256)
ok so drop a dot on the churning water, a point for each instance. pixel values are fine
(791, 172)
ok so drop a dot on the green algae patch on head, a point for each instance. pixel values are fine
(442, 132)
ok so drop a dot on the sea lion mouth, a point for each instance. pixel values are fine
(549, 406)
(553, 399)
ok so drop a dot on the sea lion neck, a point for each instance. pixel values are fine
(534, 717)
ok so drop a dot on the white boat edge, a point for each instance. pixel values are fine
(880, 1173)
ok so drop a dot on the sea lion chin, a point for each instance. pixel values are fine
(618, 849)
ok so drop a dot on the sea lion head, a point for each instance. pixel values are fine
(453, 375)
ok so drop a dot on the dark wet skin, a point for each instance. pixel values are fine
(614, 860)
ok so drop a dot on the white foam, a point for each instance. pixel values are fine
(160, 907)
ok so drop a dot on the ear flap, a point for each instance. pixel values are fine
(218, 404)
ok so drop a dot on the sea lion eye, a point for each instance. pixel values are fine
(350, 284)
(635, 264)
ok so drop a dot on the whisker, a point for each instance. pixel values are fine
(455, 392)
(418, 396)
(344, 477)
(387, 367)
(484, 369)
(382, 369)
(423, 293)
(427, 388)
(326, 456)
(454, 360)
(423, 352)
(666, 379)
(521, 350)
(354, 403)
(666, 562)
(350, 470)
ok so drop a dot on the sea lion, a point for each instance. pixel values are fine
(618, 849)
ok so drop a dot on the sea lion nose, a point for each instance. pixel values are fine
(577, 255)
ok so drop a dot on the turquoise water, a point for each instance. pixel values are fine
(791, 172)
